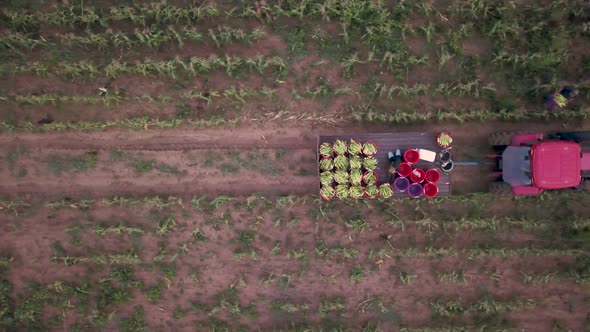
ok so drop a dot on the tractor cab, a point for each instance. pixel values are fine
(556, 165)
(527, 164)
(546, 165)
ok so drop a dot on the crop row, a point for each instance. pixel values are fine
(239, 95)
(358, 114)
(170, 68)
(152, 37)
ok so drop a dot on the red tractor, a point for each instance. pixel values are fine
(528, 164)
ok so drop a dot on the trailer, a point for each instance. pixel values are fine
(386, 142)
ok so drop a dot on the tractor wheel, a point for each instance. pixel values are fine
(500, 188)
(500, 138)
(575, 136)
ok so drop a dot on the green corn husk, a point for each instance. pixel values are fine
(326, 149)
(326, 164)
(327, 192)
(355, 192)
(354, 147)
(372, 191)
(341, 162)
(342, 191)
(355, 162)
(369, 177)
(369, 149)
(356, 177)
(444, 140)
(340, 147)
(370, 163)
(385, 190)
(342, 177)
(326, 178)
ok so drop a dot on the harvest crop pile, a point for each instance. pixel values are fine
(159, 166)
(347, 170)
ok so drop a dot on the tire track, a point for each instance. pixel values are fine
(55, 189)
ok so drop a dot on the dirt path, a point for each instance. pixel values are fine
(184, 150)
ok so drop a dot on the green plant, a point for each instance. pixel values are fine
(357, 273)
(154, 293)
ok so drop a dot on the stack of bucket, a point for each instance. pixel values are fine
(416, 181)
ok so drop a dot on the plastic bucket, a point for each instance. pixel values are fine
(418, 175)
(411, 156)
(401, 184)
(432, 175)
(447, 167)
(430, 190)
(404, 170)
(445, 156)
(415, 190)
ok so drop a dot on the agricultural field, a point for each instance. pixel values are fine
(159, 167)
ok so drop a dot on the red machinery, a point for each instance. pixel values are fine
(528, 164)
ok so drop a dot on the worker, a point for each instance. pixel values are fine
(394, 161)
(561, 98)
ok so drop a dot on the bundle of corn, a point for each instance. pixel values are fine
(385, 190)
(354, 147)
(369, 149)
(370, 163)
(342, 191)
(342, 177)
(340, 147)
(326, 150)
(355, 162)
(370, 177)
(371, 191)
(341, 163)
(356, 177)
(326, 178)
(327, 192)
(326, 164)
(355, 192)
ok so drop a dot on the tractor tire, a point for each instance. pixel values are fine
(501, 138)
(500, 188)
(574, 136)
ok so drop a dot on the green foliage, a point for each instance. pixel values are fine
(58, 164)
(109, 295)
(135, 323)
(154, 293)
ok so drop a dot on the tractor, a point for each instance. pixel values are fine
(529, 163)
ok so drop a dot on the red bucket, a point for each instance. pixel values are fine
(432, 175)
(430, 190)
(404, 170)
(411, 156)
(418, 175)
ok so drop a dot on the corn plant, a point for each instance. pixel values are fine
(101, 231)
(83, 204)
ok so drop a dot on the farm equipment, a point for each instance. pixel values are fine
(528, 164)
(395, 165)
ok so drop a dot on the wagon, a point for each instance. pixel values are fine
(386, 142)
